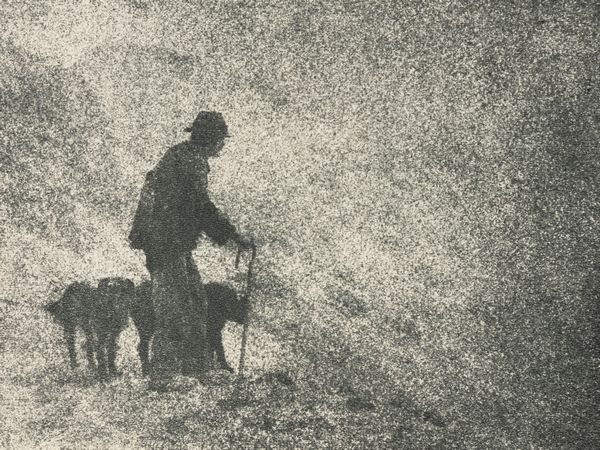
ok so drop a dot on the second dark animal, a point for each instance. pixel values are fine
(101, 313)
(223, 305)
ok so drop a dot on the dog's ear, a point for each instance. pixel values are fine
(104, 283)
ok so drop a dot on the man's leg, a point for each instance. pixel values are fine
(195, 343)
(168, 297)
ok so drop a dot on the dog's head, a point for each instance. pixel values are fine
(116, 284)
(67, 309)
(242, 309)
(117, 287)
(235, 308)
(58, 312)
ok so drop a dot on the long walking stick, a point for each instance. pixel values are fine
(247, 298)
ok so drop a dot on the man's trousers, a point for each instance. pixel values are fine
(180, 341)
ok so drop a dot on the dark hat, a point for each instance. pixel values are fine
(209, 123)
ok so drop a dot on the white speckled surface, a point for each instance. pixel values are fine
(422, 180)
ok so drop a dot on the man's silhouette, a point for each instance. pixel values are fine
(173, 211)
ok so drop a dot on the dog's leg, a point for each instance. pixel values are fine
(89, 347)
(143, 351)
(112, 354)
(216, 341)
(70, 338)
(101, 354)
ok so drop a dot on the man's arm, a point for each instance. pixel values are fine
(214, 224)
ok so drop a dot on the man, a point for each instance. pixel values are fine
(173, 211)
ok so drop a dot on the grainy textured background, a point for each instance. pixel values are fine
(422, 179)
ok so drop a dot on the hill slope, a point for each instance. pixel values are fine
(422, 182)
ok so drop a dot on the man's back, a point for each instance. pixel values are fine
(178, 195)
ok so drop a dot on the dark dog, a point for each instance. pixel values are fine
(223, 306)
(102, 313)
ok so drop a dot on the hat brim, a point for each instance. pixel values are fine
(190, 129)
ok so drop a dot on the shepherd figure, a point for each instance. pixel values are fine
(174, 209)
